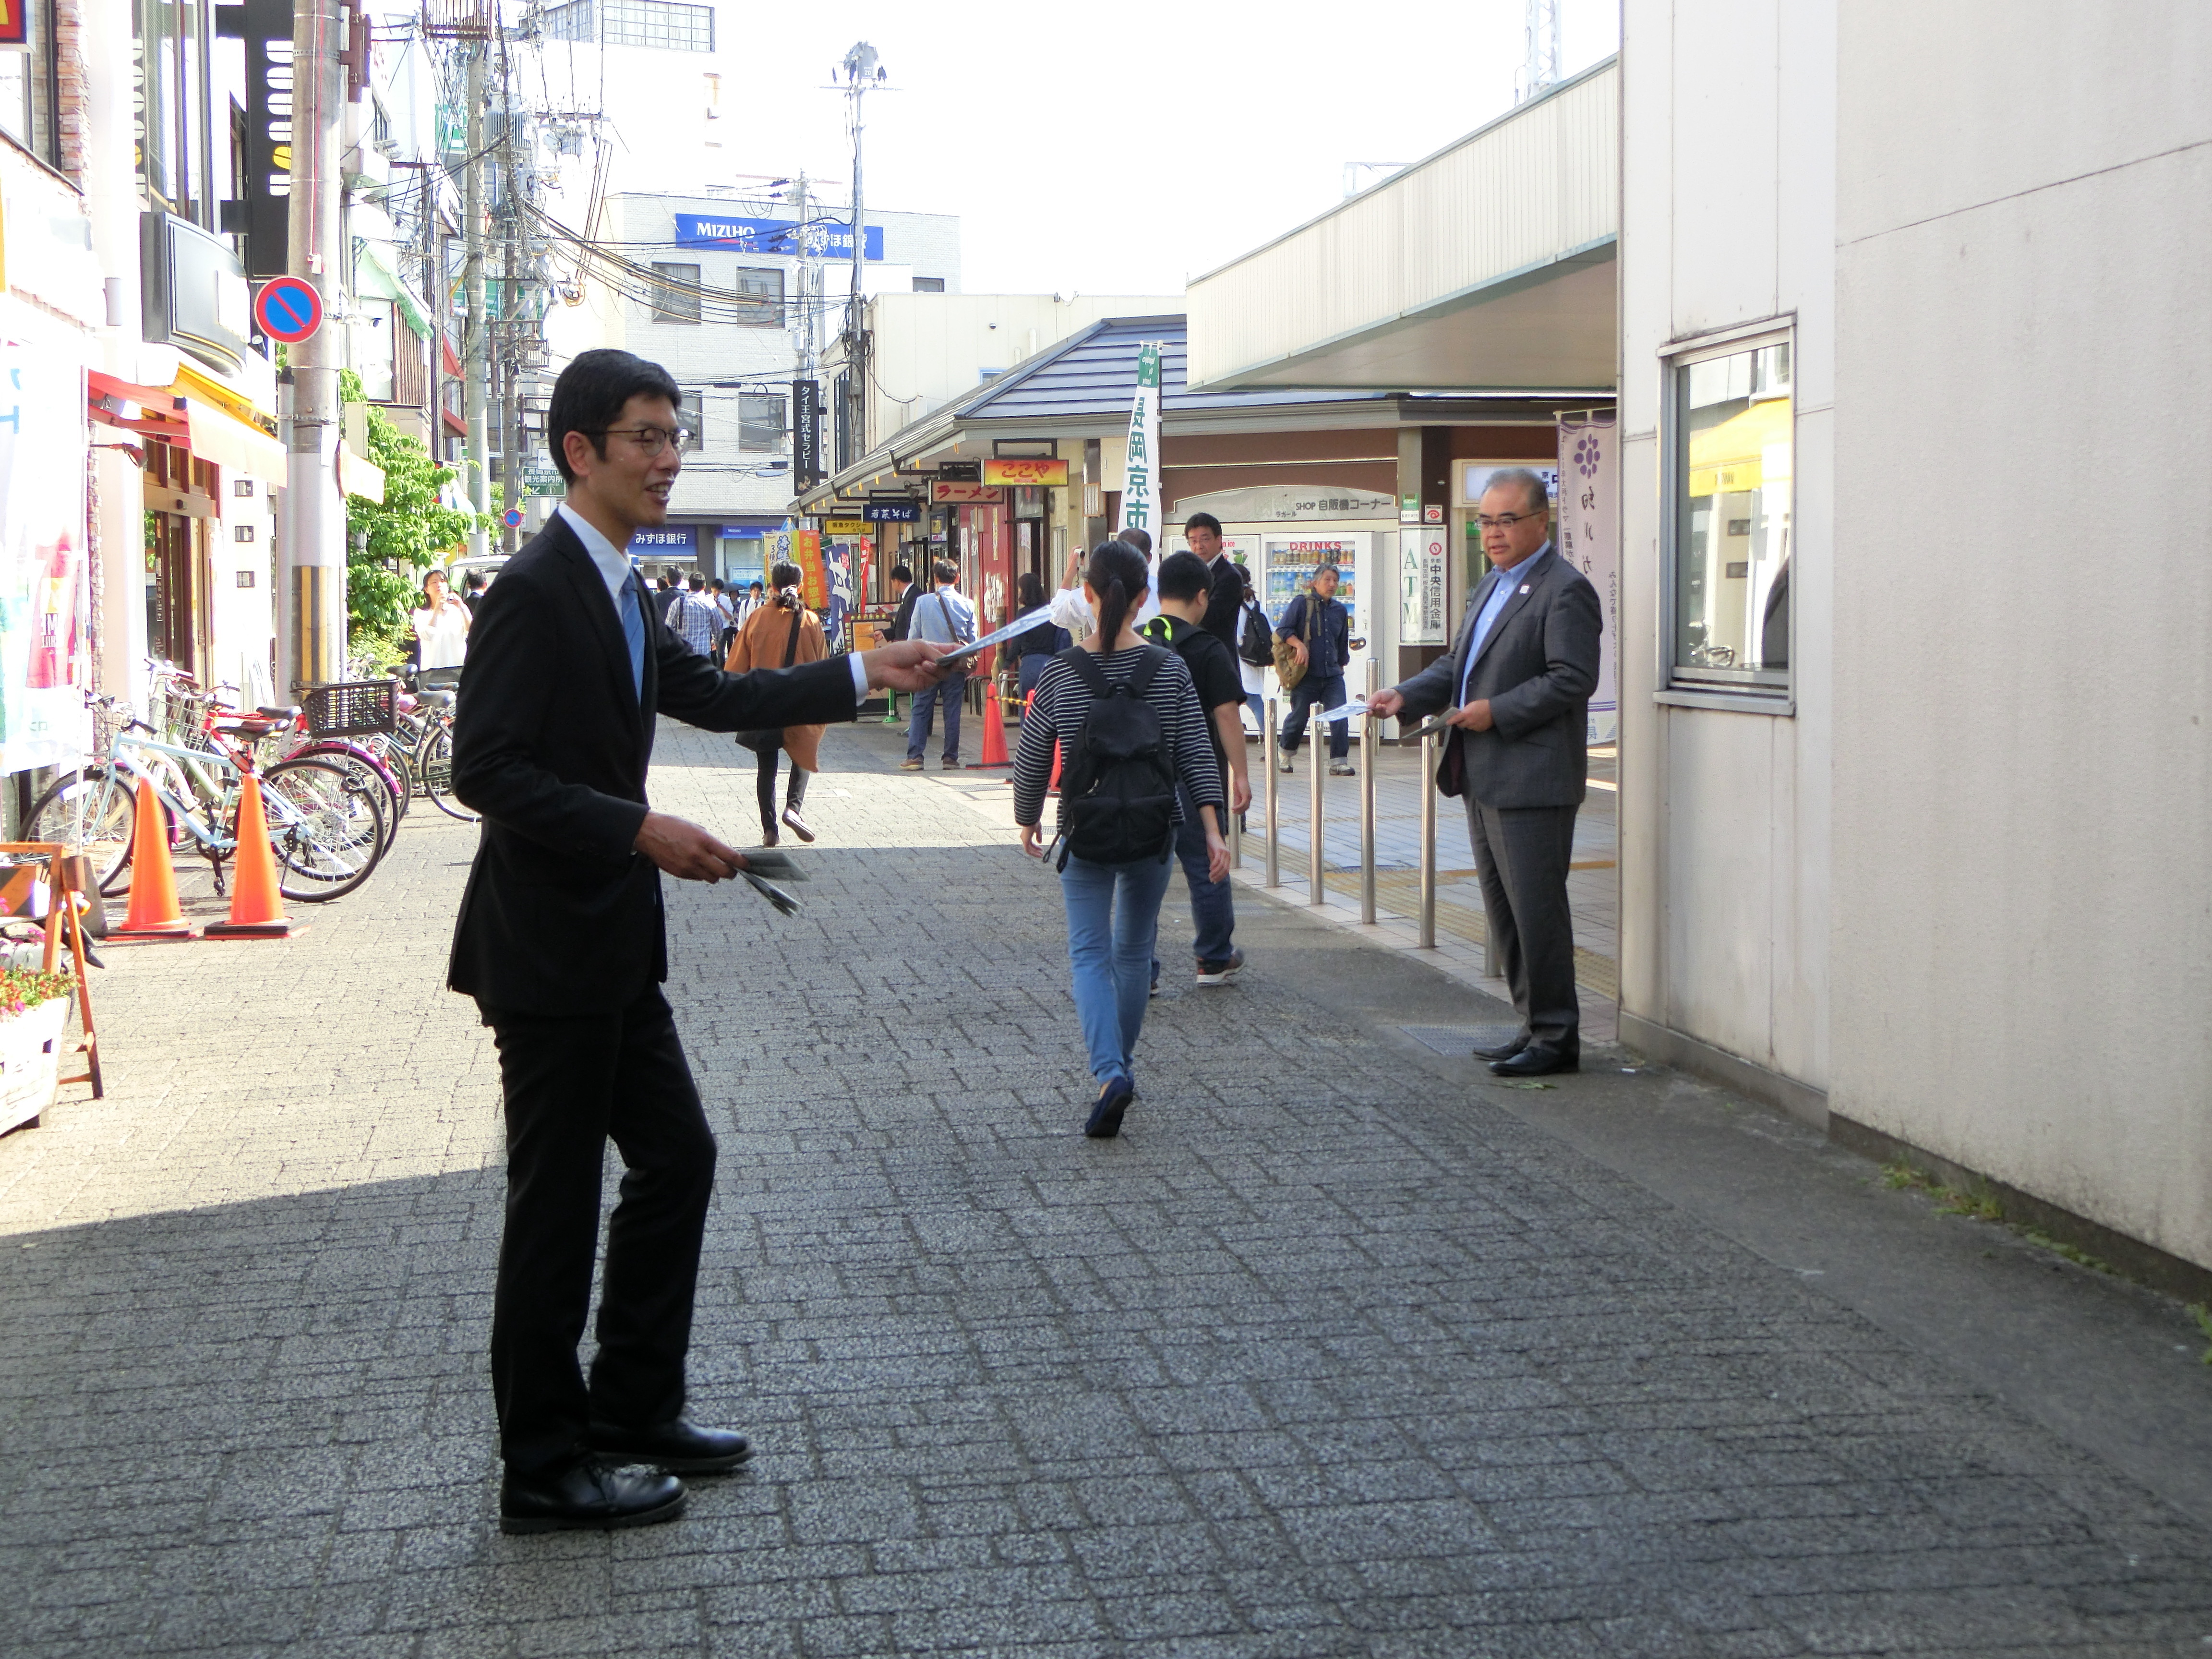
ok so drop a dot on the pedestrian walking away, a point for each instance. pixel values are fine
(1318, 629)
(472, 590)
(1030, 650)
(903, 594)
(782, 634)
(943, 618)
(664, 595)
(1225, 578)
(561, 941)
(1518, 682)
(1184, 596)
(693, 618)
(1129, 717)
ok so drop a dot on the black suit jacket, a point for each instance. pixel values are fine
(550, 744)
(1538, 665)
(1224, 600)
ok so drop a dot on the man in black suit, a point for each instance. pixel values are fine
(1225, 599)
(561, 941)
(1518, 682)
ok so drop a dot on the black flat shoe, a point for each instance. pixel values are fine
(1106, 1116)
(681, 1447)
(590, 1496)
(1505, 1050)
(1536, 1062)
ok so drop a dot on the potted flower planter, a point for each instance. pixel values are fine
(33, 1009)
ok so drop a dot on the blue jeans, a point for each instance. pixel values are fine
(1258, 704)
(949, 691)
(1212, 913)
(1311, 692)
(1030, 671)
(1113, 918)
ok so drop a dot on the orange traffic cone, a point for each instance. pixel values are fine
(994, 731)
(257, 910)
(154, 910)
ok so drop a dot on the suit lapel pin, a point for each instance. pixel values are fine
(1524, 587)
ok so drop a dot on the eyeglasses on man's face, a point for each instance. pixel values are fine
(650, 439)
(1505, 521)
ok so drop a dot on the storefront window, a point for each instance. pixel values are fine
(761, 423)
(27, 93)
(1733, 449)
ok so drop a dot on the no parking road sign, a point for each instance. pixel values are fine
(287, 308)
(512, 517)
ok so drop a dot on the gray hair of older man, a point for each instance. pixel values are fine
(1535, 494)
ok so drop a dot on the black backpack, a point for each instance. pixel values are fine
(1117, 784)
(1255, 641)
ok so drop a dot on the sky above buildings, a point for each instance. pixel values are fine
(1122, 149)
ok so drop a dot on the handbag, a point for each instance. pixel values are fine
(769, 738)
(1289, 666)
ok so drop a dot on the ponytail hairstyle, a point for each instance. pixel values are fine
(1117, 572)
(785, 580)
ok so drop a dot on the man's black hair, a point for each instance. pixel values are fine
(1184, 576)
(1139, 539)
(1201, 521)
(945, 571)
(698, 583)
(589, 396)
(473, 581)
(902, 573)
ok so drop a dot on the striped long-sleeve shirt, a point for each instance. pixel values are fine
(1063, 699)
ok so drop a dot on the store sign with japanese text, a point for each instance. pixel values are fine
(827, 239)
(844, 526)
(1589, 540)
(1423, 560)
(894, 512)
(45, 592)
(965, 494)
(1034, 472)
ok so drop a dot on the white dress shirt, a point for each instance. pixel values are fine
(614, 568)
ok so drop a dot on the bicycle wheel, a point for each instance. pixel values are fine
(326, 827)
(369, 771)
(95, 810)
(391, 753)
(434, 762)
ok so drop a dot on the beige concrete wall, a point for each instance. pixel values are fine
(1726, 220)
(2022, 941)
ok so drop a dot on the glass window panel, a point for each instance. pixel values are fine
(764, 285)
(659, 23)
(677, 299)
(1734, 467)
(760, 421)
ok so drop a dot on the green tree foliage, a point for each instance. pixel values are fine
(390, 544)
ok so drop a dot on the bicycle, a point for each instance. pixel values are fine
(326, 827)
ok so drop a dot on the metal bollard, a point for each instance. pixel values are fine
(1317, 831)
(1368, 749)
(1429, 842)
(1274, 825)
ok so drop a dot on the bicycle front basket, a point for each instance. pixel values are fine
(350, 707)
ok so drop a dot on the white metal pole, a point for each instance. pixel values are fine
(1368, 749)
(1317, 834)
(1275, 822)
(1428, 841)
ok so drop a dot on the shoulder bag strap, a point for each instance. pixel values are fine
(791, 645)
(951, 626)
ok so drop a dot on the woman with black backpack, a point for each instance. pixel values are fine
(1128, 718)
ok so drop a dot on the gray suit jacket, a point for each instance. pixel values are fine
(1537, 667)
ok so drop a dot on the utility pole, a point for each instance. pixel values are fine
(863, 73)
(311, 542)
(1541, 67)
(474, 365)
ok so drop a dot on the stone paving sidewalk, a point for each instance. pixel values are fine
(1328, 1356)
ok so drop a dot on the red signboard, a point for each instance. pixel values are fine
(965, 494)
(16, 22)
(1030, 470)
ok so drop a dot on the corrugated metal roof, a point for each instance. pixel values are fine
(1094, 373)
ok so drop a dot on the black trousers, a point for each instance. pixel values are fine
(764, 786)
(1521, 854)
(572, 1083)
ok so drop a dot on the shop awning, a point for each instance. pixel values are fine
(233, 445)
(378, 279)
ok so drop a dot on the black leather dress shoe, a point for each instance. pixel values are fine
(1503, 1050)
(681, 1447)
(592, 1496)
(1536, 1061)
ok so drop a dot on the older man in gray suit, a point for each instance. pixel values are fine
(1517, 682)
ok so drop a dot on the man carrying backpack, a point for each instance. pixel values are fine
(1133, 730)
(1185, 593)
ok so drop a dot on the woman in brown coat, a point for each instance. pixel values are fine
(781, 633)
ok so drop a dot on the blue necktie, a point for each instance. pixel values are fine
(633, 615)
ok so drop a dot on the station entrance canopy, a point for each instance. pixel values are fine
(1490, 266)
